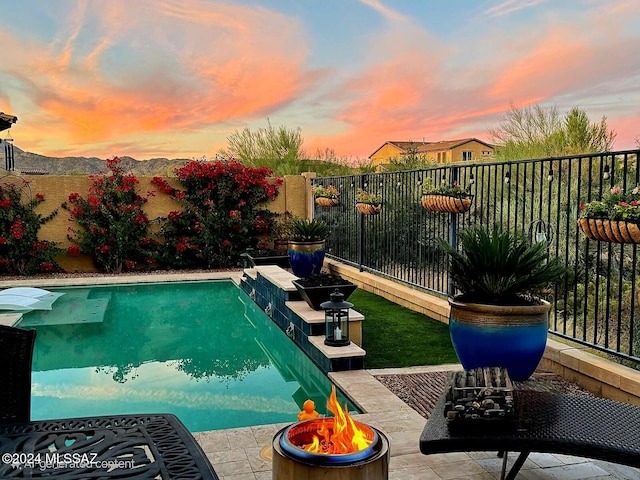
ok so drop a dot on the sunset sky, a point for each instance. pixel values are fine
(174, 78)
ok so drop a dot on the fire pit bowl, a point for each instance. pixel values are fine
(302, 433)
(292, 462)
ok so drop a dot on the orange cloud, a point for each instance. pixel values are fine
(440, 93)
(219, 62)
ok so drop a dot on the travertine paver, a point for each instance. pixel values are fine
(244, 454)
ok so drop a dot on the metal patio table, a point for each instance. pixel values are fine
(144, 446)
(548, 422)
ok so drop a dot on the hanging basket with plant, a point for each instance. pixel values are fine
(445, 198)
(614, 219)
(326, 196)
(368, 203)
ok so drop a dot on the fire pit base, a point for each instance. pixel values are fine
(374, 467)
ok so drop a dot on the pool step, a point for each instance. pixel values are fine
(74, 307)
(271, 289)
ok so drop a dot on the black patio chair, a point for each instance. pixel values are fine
(16, 356)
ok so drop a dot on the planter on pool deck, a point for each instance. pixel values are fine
(252, 258)
(513, 337)
(306, 258)
(316, 289)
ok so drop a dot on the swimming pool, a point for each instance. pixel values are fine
(201, 350)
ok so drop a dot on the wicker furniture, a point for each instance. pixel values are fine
(16, 354)
(544, 422)
(140, 446)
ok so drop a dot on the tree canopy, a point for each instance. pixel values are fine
(537, 132)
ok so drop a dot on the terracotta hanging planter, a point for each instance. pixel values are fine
(369, 209)
(613, 231)
(327, 202)
(445, 203)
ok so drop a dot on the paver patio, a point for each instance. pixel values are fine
(244, 453)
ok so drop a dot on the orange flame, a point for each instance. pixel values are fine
(342, 435)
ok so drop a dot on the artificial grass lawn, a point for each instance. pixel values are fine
(394, 336)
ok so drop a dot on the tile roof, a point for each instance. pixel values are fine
(424, 146)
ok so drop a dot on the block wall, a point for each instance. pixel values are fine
(293, 197)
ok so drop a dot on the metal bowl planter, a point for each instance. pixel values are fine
(512, 336)
(265, 257)
(306, 258)
(327, 202)
(613, 231)
(368, 208)
(316, 289)
(445, 203)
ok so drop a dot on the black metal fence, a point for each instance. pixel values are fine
(598, 303)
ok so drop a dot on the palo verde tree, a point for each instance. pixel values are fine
(537, 132)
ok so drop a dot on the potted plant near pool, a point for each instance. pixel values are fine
(307, 246)
(281, 232)
(498, 318)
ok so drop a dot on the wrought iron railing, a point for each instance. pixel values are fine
(597, 304)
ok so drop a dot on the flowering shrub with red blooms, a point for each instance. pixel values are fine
(20, 250)
(114, 228)
(221, 215)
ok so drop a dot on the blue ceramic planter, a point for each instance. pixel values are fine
(513, 337)
(306, 258)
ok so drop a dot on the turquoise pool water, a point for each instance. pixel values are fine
(201, 350)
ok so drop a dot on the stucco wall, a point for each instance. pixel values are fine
(385, 153)
(292, 197)
(475, 147)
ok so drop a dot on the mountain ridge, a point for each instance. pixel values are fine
(34, 163)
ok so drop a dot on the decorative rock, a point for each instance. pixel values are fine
(479, 394)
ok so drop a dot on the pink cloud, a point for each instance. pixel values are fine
(222, 62)
(414, 93)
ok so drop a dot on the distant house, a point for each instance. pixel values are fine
(446, 151)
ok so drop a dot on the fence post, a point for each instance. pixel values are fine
(361, 238)
(454, 176)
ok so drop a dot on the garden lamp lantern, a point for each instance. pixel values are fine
(336, 320)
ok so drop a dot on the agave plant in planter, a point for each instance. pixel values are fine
(499, 318)
(307, 246)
